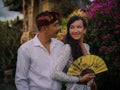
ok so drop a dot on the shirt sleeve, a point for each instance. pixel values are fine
(21, 77)
(87, 48)
(58, 71)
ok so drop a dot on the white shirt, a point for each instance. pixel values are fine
(58, 73)
(35, 65)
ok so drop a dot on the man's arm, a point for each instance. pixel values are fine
(22, 69)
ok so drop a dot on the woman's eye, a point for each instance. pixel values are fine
(79, 26)
(71, 27)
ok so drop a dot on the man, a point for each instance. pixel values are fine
(37, 58)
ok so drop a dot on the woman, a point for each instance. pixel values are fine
(74, 48)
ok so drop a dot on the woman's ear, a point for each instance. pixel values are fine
(85, 31)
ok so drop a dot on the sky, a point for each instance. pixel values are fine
(5, 14)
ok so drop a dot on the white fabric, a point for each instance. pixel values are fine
(35, 65)
(63, 60)
(58, 74)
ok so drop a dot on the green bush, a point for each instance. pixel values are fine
(10, 35)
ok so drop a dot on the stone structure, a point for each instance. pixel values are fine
(30, 10)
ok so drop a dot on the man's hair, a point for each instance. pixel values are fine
(46, 18)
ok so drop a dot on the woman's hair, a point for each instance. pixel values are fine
(75, 47)
(46, 18)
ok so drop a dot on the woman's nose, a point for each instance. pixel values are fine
(75, 30)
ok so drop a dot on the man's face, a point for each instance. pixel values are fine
(53, 29)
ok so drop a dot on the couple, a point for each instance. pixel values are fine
(41, 60)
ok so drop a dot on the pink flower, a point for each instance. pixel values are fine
(102, 48)
(115, 62)
(96, 1)
(116, 32)
(106, 37)
(117, 26)
(99, 23)
(92, 15)
(110, 49)
(62, 38)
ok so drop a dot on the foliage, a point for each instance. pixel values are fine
(9, 42)
(14, 5)
(64, 7)
(104, 40)
(63, 30)
(60, 6)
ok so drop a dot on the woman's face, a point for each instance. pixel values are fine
(77, 30)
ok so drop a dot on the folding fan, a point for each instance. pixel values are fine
(87, 62)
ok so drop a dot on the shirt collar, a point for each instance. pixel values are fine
(37, 42)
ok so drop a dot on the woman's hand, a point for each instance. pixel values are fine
(86, 77)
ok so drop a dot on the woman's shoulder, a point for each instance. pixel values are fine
(87, 45)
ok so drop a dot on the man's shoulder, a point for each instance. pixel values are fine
(57, 41)
(27, 44)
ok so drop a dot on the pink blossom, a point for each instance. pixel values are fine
(110, 49)
(117, 58)
(117, 26)
(96, 1)
(99, 23)
(106, 37)
(115, 62)
(103, 42)
(62, 38)
(104, 27)
(102, 48)
(92, 15)
(105, 11)
(116, 32)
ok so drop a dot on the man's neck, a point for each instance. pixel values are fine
(45, 41)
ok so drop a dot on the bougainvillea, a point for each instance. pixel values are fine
(105, 22)
(103, 36)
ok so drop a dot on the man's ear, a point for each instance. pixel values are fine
(44, 28)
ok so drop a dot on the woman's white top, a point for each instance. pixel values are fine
(65, 59)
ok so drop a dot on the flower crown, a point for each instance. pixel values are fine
(80, 12)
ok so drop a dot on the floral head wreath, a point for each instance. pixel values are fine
(80, 12)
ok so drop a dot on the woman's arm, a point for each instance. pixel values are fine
(63, 60)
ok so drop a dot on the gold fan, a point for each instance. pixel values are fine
(89, 62)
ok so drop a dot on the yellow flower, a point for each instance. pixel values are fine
(79, 12)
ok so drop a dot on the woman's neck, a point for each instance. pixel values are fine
(84, 50)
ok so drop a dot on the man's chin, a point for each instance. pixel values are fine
(55, 36)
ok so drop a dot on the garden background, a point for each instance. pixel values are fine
(103, 36)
